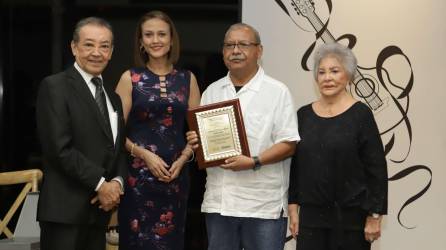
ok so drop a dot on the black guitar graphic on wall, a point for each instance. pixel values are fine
(364, 85)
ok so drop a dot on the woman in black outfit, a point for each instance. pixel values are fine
(338, 180)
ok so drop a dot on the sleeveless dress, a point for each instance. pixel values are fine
(152, 213)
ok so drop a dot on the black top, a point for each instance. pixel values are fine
(339, 161)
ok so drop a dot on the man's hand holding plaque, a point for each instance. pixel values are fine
(218, 135)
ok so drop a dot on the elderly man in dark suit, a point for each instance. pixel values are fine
(81, 130)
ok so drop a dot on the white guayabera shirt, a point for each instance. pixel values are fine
(270, 118)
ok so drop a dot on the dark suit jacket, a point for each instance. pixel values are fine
(77, 147)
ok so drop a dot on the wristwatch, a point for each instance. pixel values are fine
(374, 215)
(257, 163)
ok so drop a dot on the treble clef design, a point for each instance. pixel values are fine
(371, 85)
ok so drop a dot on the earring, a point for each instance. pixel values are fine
(142, 49)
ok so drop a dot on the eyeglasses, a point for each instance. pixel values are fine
(241, 45)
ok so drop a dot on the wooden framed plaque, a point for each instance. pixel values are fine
(220, 130)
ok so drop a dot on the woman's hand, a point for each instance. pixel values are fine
(294, 219)
(176, 167)
(156, 165)
(186, 154)
(372, 229)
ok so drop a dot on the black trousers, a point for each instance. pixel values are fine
(325, 239)
(57, 236)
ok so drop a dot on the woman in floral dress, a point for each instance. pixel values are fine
(156, 97)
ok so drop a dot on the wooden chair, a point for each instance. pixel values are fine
(31, 177)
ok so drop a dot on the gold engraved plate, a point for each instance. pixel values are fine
(219, 137)
(220, 130)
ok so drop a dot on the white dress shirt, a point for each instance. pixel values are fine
(112, 113)
(270, 118)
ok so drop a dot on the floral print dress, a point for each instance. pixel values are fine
(152, 213)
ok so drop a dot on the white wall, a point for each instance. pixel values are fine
(415, 27)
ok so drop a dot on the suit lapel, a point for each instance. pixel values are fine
(111, 95)
(117, 107)
(83, 91)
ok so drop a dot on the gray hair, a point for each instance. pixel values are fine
(343, 54)
(247, 26)
(90, 21)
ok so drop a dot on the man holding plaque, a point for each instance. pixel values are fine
(246, 197)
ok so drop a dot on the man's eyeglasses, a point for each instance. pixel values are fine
(241, 45)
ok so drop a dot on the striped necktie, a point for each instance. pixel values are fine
(99, 97)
